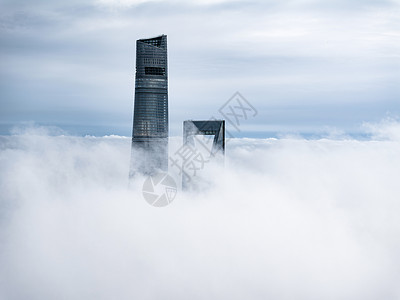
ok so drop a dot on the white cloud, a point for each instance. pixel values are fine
(128, 3)
(387, 129)
(286, 218)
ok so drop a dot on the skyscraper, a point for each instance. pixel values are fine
(191, 129)
(150, 117)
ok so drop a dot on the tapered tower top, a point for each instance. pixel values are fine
(158, 41)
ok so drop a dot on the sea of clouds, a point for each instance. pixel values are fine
(287, 218)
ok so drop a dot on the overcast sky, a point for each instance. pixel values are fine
(306, 66)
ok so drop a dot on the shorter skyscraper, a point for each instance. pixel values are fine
(191, 129)
(209, 127)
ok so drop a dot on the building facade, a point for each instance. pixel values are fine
(150, 116)
(191, 129)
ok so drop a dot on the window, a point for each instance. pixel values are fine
(154, 71)
(154, 42)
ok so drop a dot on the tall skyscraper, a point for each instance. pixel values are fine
(150, 117)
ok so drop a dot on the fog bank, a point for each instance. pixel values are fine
(286, 218)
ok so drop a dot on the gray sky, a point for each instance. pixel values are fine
(306, 66)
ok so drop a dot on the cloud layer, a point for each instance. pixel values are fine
(286, 218)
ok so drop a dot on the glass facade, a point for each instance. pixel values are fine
(150, 116)
(194, 128)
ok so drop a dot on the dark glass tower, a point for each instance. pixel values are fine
(150, 117)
